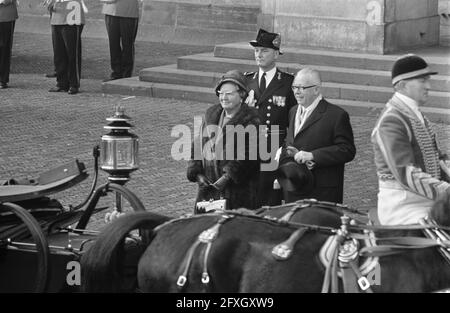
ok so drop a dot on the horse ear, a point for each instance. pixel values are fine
(440, 212)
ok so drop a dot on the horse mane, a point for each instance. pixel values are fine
(101, 265)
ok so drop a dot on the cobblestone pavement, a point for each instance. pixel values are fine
(40, 130)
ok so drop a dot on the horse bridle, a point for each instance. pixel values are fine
(436, 236)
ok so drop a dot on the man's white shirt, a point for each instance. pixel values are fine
(303, 113)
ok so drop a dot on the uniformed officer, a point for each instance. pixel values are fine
(8, 16)
(122, 20)
(67, 21)
(270, 92)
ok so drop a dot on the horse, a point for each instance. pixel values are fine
(233, 252)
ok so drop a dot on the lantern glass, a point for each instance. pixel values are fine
(119, 153)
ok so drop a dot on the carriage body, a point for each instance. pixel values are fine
(19, 267)
(41, 242)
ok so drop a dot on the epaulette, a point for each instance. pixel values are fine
(284, 72)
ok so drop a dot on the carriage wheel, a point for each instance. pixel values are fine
(42, 249)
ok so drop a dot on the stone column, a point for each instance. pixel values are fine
(370, 26)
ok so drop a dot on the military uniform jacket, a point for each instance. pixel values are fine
(276, 101)
(68, 12)
(122, 8)
(8, 11)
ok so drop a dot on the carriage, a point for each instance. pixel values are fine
(41, 240)
(298, 247)
(305, 246)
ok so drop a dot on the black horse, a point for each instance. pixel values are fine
(229, 252)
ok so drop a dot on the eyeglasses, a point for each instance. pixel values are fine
(301, 88)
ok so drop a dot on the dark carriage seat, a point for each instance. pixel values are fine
(31, 194)
(49, 182)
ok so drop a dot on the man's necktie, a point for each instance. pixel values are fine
(262, 83)
(299, 120)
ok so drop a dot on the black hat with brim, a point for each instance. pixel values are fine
(408, 67)
(267, 40)
(293, 176)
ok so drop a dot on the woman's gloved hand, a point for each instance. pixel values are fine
(203, 181)
(221, 183)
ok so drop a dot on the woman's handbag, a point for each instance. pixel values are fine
(211, 205)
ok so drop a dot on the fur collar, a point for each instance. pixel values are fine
(244, 116)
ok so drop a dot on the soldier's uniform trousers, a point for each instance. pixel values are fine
(122, 33)
(6, 41)
(267, 195)
(67, 54)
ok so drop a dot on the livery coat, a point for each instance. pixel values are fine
(273, 107)
(244, 171)
(328, 135)
(407, 158)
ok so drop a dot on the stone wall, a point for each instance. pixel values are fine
(374, 26)
(444, 12)
(207, 22)
(348, 24)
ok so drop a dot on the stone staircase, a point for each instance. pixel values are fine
(358, 82)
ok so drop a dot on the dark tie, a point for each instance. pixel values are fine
(262, 83)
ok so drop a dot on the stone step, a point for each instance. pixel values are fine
(211, 63)
(170, 74)
(438, 57)
(134, 86)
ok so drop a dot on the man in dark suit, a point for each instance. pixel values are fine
(319, 135)
(270, 92)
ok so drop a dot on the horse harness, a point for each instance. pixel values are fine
(206, 237)
(345, 248)
(340, 254)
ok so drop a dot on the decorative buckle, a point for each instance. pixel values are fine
(363, 283)
(205, 278)
(181, 281)
(281, 251)
(208, 235)
(348, 251)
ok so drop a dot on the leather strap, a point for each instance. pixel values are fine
(284, 250)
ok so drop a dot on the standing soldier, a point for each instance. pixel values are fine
(8, 16)
(121, 19)
(270, 92)
(67, 21)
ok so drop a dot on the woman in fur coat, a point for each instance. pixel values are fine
(225, 161)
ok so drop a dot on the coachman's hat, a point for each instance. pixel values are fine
(267, 40)
(408, 67)
(293, 176)
(233, 76)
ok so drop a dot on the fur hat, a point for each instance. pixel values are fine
(410, 66)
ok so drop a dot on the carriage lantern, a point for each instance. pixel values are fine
(119, 148)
